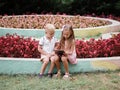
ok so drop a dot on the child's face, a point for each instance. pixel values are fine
(66, 34)
(49, 34)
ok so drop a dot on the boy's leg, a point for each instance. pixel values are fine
(52, 64)
(44, 65)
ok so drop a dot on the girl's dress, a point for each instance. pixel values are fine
(72, 58)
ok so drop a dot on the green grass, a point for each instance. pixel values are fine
(82, 81)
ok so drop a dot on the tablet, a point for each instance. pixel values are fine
(59, 52)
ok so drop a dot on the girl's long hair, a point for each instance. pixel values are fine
(71, 37)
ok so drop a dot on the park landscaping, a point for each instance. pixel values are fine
(39, 21)
(20, 47)
(81, 81)
(96, 26)
(13, 45)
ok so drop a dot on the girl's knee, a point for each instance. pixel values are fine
(52, 60)
(55, 58)
(63, 58)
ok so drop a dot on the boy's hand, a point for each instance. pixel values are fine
(53, 53)
(49, 55)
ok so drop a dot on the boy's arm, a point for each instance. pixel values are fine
(40, 46)
(41, 50)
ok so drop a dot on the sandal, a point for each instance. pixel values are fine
(66, 76)
(58, 75)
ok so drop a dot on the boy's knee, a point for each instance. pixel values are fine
(46, 61)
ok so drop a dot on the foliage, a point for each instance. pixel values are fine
(117, 6)
(16, 46)
(98, 48)
(61, 6)
(38, 21)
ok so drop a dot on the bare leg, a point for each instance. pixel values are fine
(57, 62)
(54, 61)
(51, 65)
(44, 65)
(65, 63)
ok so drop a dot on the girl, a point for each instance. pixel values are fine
(67, 44)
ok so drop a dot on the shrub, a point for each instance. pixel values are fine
(21, 47)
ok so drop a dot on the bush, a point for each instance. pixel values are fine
(16, 46)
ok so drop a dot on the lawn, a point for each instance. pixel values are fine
(81, 81)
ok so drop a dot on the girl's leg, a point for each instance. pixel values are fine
(57, 63)
(54, 60)
(44, 65)
(65, 64)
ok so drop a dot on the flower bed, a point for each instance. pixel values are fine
(84, 27)
(38, 21)
(24, 57)
(98, 48)
(16, 46)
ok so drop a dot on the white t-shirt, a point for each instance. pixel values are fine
(47, 45)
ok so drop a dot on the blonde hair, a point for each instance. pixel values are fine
(49, 27)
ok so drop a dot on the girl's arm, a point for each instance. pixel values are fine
(57, 46)
(72, 48)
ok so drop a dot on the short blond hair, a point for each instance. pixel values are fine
(50, 27)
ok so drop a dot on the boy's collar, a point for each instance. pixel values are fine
(47, 38)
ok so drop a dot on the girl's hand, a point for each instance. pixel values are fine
(68, 53)
(65, 54)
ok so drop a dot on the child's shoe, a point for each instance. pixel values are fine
(58, 75)
(66, 76)
(40, 75)
(49, 75)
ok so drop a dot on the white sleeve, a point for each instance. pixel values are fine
(56, 40)
(41, 41)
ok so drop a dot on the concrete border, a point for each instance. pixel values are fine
(32, 65)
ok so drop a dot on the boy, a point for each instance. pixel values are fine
(46, 48)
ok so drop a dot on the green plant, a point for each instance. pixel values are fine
(118, 5)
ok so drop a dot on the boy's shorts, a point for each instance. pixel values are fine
(42, 57)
